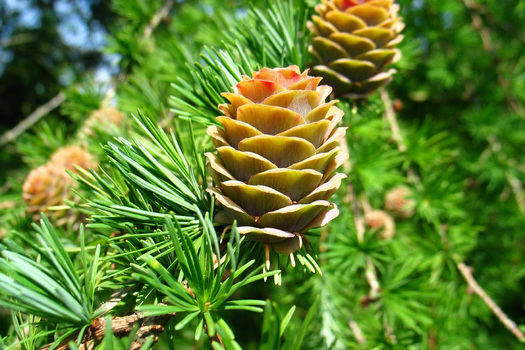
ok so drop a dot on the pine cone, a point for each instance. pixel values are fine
(276, 157)
(69, 156)
(47, 186)
(380, 220)
(354, 40)
(101, 120)
(398, 201)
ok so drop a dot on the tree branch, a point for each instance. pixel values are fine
(484, 32)
(148, 31)
(514, 183)
(466, 271)
(155, 20)
(121, 327)
(359, 222)
(358, 333)
(31, 119)
(390, 116)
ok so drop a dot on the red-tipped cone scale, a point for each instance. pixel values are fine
(353, 43)
(277, 152)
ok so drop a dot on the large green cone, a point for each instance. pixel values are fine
(277, 153)
(354, 41)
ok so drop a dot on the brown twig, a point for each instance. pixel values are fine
(359, 223)
(31, 119)
(121, 327)
(477, 24)
(466, 271)
(358, 333)
(390, 116)
(155, 20)
(514, 183)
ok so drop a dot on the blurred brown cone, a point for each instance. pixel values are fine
(70, 156)
(398, 201)
(381, 221)
(50, 185)
(102, 120)
(44, 187)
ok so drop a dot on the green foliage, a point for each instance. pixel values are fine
(55, 292)
(202, 288)
(276, 36)
(284, 42)
(82, 99)
(151, 245)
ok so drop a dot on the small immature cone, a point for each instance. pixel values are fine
(44, 187)
(100, 120)
(380, 220)
(70, 156)
(49, 185)
(398, 201)
(354, 41)
(277, 152)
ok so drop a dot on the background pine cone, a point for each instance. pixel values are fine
(277, 152)
(49, 185)
(398, 201)
(69, 156)
(354, 40)
(104, 121)
(44, 187)
(381, 221)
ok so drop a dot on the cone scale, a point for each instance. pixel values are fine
(353, 43)
(277, 152)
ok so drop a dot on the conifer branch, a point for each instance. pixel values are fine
(514, 183)
(359, 222)
(155, 20)
(370, 269)
(31, 119)
(477, 23)
(358, 333)
(148, 31)
(488, 46)
(466, 271)
(121, 327)
(390, 116)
